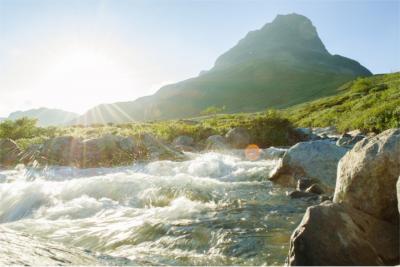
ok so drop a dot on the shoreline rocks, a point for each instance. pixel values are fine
(315, 160)
(9, 152)
(361, 226)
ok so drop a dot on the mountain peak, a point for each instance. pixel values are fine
(283, 38)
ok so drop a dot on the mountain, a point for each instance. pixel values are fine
(282, 64)
(45, 116)
(368, 104)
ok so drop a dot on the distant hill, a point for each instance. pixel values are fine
(369, 104)
(45, 116)
(282, 64)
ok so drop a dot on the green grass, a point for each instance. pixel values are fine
(370, 104)
(266, 129)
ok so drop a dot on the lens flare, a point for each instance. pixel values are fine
(252, 152)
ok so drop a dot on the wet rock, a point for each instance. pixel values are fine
(63, 150)
(316, 189)
(367, 176)
(31, 154)
(348, 141)
(316, 160)
(302, 194)
(273, 153)
(336, 234)
(157, 150)
(183, 141)
(304, 183)
(238, 137)
(20, 249)
(9, 153)
(216, 142)
(326, 132)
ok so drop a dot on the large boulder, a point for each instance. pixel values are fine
(316, 160)
(336, 234)
(238, 137)
(9, 153)
(108, 150)
(367, 176)
(158, 151)
(216, 142)
(62, 150)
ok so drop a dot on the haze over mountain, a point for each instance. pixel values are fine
(282, 64)
(45, 116)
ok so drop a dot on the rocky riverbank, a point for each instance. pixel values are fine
(361, 225)
(353, 177)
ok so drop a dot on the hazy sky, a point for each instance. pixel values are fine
(74, 54)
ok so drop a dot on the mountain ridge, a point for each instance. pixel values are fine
(45, 116)
(282, 64)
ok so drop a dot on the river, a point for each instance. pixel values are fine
(213, 209)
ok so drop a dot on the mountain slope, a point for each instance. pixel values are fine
(282, 64)
(45, 116)
(368, 104)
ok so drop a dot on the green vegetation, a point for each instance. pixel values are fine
(213, 110)
(368, 104)
(266, 128)
(280, 65)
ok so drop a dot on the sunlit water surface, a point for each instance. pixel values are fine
(214, 209)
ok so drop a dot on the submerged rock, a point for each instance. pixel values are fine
(316, 160)
(238, 137)
(367, 176)
(302, 194)
(335, 234)
(9, 153)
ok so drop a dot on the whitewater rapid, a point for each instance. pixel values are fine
(213, 209)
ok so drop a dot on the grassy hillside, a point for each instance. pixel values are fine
(369, 104)
(282, 64)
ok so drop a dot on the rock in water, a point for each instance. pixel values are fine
(238, 137)
(9, 153)
(21, 249)
(316, 160)
(63, 150)
(157, 150)
(183, 140)
(216, 142)
(362, 226)
(336, 234)
(367, 176)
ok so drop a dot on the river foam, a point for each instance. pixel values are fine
(213, 209)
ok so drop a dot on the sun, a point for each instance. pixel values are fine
(79, 77)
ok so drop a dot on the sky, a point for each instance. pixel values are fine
(75, 54)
